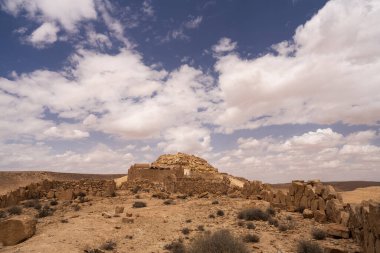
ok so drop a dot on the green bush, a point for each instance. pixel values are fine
(219, 242)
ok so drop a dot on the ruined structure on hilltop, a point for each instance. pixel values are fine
(179, 173)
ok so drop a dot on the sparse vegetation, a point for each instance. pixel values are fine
(175, 247)
(53, 202)
(136, 189)
(289, 217)
(201, 228)
(300, 209)
(64, 221)
(44, 212)
(188, 221)
(251, 238)
(250, 214)
(220, 241)
(211, 216)
(15, 210)
(240, 223)
(273, 221)
(250, 225)
(76, 208)
(220, 213)
(31, 203)
(169, 202)
(215, 202)
(185, 231)
(283, 227)
(308, 247)
(3, 214)
(318, 234)
(139, 204)
(271, 211)
(108, 245)
(81, 194)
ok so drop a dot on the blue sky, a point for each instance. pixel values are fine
(267, 90)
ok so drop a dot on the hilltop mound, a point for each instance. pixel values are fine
(192, 162)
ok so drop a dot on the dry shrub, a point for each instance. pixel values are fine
(219, 241)
(175, 247)
(220, 213)
(308, 247)
(318, 234)
(139, 204)
(15, 210)
(251, 238)
(108, 245)
(185, 231)
(253, 214)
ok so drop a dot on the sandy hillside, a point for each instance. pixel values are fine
(157, 225)
(13, 180)
(358, 195)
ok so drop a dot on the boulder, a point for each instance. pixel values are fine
(319, 188)
(17, 229)
(65, 194)
(329, 193)
(343, 218)
(338, 231)
(314, 205)
(319, 216)
(321, 204)
(307, 214)
(333, 209)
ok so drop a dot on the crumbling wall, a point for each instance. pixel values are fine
(201, 185)
(153, 174)
(364, 224)
(64, 190)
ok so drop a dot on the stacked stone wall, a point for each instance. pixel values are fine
(64, 190)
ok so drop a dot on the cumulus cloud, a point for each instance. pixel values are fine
(44, 35)
(326, 74)
(224, 45)
(64, 132)
(323, 154)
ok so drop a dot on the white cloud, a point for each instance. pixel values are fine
(323, 154)
(194, 22)
(67, 13)
(65, 132)
(327, 74)
(224, 45)
(186, 139)
(44, 35)
(148, 8)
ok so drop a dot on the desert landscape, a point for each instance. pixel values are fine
(155, 208)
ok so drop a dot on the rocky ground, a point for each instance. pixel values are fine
(149, 229)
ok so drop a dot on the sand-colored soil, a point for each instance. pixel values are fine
(157, 225)
(358, 195)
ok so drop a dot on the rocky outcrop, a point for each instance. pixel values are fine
(16, 229)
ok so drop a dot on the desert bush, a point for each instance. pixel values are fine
(89, 250)
(253, 214)
(3, 214)
(283, 227)
(185, 231)
(289, 217)
(64, 221)
(240, 223)
(250, 225)
(108, 245)
(139, 204)
(271, 211)
(53, 202)
(169, 202)
(201, 228)
(220, 241)
(44, 212)
(251, 238)
(30, 203)
(136, 189)
(300, 209)
(175, 247)
(318, 234)
(308, 247)
(211, 216)
(273, 221)
(15, 210)
(76, 207)
(188, 221)
(182, 197)
(220, 213)
(215, 202)
(81, 194)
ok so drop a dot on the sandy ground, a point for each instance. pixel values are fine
(157, 225)
(360, 194)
